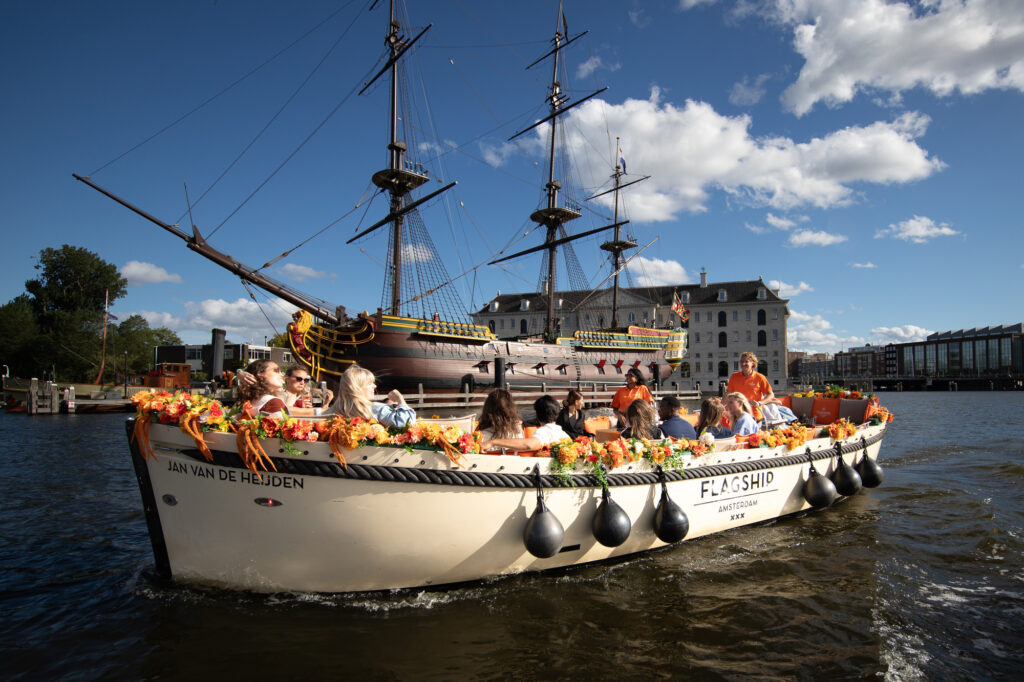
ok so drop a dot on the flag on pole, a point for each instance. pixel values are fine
(678, 308)
(622, 159)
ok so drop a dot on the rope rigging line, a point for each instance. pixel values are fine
(223, 91)
(253, 297)
(280, 111)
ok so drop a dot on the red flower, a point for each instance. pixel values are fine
(270, 425)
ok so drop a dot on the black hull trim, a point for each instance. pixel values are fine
(469, 478)
(149, 507)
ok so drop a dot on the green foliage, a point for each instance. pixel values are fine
(279, 341)
(59, 321)
(73, 280)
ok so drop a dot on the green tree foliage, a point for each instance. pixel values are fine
(279, 341)
(134, 335)
(73, 280)
(59, 321)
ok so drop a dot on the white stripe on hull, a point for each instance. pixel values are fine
(340, 534)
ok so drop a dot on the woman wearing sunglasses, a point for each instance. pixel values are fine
(296, 391)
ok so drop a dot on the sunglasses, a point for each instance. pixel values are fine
(300, 379)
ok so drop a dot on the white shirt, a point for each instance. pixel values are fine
(550, 433)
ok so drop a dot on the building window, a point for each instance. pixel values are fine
(721, 318)
(723, 369)
(748, 336)
(722, 297)
(632, 317)
(723, 340)
(522, 326)
(761, 317)
(735, 365)
(286, 357)
(775, 314)
(735, 316)
(194, 353)
(524, 304)
(748, 316)
(696, 337)
(762, 293)
(775, 365)
(762, 338)
(707, 318)
(494, 306)
(775, 335)
(503, 323)
(490, 323)
(735, 337)
(1005, 356)
(686, 297)
(698, 366)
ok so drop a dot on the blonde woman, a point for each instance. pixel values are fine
(738, 407)
(356, 389)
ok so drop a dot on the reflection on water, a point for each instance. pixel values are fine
(920, 578)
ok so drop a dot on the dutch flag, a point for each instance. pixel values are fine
(622, 160)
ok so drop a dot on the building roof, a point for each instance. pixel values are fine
(997, 330)
(735, 292)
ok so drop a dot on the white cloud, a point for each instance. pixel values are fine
(869, 265)
(756, 229)
(496, 155)
(904, 334)
(638, 17)
(780, 223)
(416, 253)
(790, 290)
(814, 238)
(690, 4)
(138, 272)
(301, 273)
(651, 272)
(691, 150)
(918, 230)
(813, 334)
(241, 318)
(593, 64)
(747, 93)
(852, 46)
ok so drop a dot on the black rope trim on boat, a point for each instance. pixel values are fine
(488, 479)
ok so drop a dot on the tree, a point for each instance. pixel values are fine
(135, 335)
(279, 341)
(67, 300)
(18, 331)
(74, 279)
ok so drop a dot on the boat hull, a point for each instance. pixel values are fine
(399, 519)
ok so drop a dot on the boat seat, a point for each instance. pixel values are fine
(466, 423)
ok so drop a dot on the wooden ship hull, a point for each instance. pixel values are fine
(410, 354)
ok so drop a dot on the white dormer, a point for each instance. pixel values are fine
(524, 304)
(722, 296)
(494, 306)
(559, 304)
(686, 297)
(762, 293)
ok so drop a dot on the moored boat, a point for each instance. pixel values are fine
(341, 506)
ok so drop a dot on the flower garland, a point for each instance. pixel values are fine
(597, 458)
(792, 436)
(841, 428)
(834, 391)
(196, 414)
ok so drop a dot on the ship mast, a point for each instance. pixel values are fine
(553, 216)
(397, 179)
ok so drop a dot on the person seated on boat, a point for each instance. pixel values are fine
(546, 409)
(571, 416)
(297, 385)
(635, 389)
(500, 417)
(643, 422)
(263, 393)
(672, 425)
(355, 399)
(710, 420)
(738, 408)
(752, 384)
(248, 380)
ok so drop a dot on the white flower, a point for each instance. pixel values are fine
(638, 447)
(707, 440)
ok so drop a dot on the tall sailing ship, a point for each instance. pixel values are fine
(438, 351)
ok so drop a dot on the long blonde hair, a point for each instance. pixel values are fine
(742, 400)
(352, 401)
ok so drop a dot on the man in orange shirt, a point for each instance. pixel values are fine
(635, 389)
(752, 384)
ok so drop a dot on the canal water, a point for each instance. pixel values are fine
(922, 578)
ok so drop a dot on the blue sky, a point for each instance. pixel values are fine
(864, 157)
